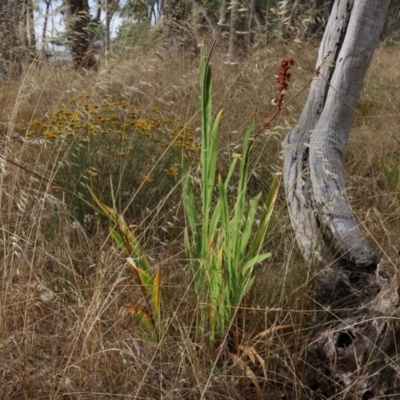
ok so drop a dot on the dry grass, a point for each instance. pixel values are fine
(63, 287)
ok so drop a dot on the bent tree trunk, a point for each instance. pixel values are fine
(315, 148)
(356, 354)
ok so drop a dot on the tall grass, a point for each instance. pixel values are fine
(66, 327)
(225, 241)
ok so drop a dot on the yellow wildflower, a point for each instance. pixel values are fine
(172, 171)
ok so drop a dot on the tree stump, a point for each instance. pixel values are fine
(358, 353)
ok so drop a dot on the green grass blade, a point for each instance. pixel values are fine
(265, 220)
(248, 227)
(209, 175)
(189, 203)
(246, 269)
(224, 206)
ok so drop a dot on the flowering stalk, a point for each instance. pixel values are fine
(283, 78)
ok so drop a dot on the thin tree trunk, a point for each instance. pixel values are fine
(31, 29)
(78, 18)
(109, 15)
(258, 16)
(46, 19)
(99, 7)
(111, 8)
(12, 48)
(173, 15)
(197, 22)
(237, 31)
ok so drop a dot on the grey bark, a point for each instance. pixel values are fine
(356, 354)
(258, 19)
(78, 19)
(28, 28)
(313, 170)
(111, 7)
(13, 50)
(238, 30)
(46, 18)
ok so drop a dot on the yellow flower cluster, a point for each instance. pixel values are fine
(85, 118)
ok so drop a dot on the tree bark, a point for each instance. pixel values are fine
(111, 7)
(238, 30)
(44, 31)
(315, 148)
(30, 31)
(258, 20)
(12, 39)
(78, 18)
(356, 354)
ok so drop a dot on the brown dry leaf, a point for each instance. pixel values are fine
(272, 330)
(249, 373)
(251, 352)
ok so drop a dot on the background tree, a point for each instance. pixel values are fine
(13, 36)
(45, 21)
(77, 25)
(28, 22)
(110, 7)
(238, 29)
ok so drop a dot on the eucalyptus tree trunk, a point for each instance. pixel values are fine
(78, 18)
(28, 28)
(111, 7)
(315, 148)
(357, 353)
(44, 31)
(238, 29)
(258, 16)
(12, 38)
